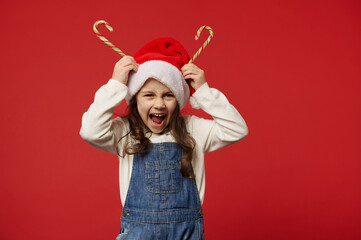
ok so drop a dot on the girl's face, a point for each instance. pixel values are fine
(155, 104)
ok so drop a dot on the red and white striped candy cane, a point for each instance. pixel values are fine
(106, 41)
(205, 43)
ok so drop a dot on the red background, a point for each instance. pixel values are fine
(292, 69)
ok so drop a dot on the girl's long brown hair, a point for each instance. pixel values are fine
(176, 126)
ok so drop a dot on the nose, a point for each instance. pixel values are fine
(159, 103)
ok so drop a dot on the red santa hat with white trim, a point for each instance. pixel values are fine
(161, 59)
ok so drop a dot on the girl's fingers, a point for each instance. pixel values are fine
(128, 63)
(123, 67)
(126, 60)
(191, 76)
(190, 71)
(129, 68)
(190, 66)
(186, 69)
(194, 74)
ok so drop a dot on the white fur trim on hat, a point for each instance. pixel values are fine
(165, 73)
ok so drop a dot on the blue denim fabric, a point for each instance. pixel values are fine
(161, 203)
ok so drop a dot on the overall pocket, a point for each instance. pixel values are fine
(162, 171)
(125, 230)
(200, 228)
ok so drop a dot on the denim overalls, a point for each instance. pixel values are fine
(161, 203)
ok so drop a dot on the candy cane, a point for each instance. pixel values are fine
(205, 43)
(106, 41)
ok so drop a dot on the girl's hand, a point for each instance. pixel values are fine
(194, 74)
(123, 67)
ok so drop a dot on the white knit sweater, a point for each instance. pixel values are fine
(102, 132)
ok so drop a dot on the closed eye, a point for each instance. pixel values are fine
(169, 95)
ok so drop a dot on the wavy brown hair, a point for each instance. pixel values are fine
(176, 126)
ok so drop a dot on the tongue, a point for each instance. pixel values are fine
(157, 120)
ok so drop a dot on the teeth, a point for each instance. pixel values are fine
(158, 114)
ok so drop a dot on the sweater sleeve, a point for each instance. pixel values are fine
(98, 128)
(227, 126)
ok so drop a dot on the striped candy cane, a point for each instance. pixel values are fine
(106, 41)
(205, 43)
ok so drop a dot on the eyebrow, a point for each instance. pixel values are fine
(150, 91)
(145, 91)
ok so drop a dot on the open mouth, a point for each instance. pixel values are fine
(158, 118)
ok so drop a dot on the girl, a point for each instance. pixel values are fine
(161, 154)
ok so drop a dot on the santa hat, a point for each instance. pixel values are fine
(161, 59)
